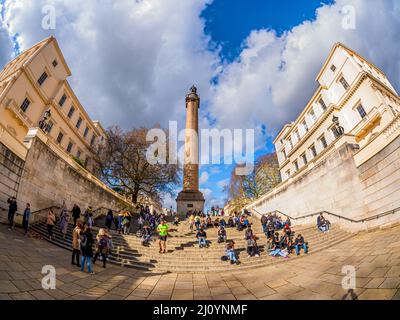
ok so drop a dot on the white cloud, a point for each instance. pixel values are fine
(132, 61)
(223, 183)
(203, 177)
(274, 76)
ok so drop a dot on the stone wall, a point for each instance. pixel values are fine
(337, 185)
(50, 177)
(10, 175)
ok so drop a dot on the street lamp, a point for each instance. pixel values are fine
(44, 123)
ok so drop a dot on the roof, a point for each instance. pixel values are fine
(25, 57)
(351, 52)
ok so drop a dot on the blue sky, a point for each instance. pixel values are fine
(254, 62)
(230, 22)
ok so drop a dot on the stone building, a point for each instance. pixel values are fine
(351, 89)
(35, 82)
(342, 154)
(48, 162)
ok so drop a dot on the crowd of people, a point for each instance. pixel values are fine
(281, 241)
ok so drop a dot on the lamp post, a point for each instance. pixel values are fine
(338, 129)
(44, 122)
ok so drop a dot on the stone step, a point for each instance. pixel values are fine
(193, 259)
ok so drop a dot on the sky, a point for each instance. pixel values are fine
(254, 62)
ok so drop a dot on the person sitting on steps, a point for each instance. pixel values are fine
(231, 223)
(176, 221)
(252, 248)
(146, 235)
(221, 234)
(222, 223)
(299, 244)
(248, 234)
(202, 238)
(270, 231)
(277, 250)
(230, 252)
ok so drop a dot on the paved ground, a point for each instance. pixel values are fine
(376, 257)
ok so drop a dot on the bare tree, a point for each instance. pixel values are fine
(124, 167)
(241, 190)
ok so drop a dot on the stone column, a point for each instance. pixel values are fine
(190, 198)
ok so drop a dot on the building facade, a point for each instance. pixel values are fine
(351, 90)
(35, 82)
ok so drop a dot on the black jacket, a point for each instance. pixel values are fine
(12, 208)
(76, 212)
(87, 250)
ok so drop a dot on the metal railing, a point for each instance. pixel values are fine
(374, 217)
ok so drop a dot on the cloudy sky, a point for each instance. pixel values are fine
(254, 63)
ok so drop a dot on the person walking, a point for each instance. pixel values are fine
(64, 219)
(163, 234)
(109, 219)
(51, 220)
(76, 214)
(86, 244)
(12, 209)
(101, 246)
(76, 233)
(25, 218)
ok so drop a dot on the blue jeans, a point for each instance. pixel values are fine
(277, 252)
(264, 227)
(202, 241)
(298, 248)
(89, 263)
(231, 255)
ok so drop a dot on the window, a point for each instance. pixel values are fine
(290, 143)
(296, 165)
(78, 154)
(333, 68)
(284, 154)
(49, 126)
(25, 104)
(86, 162)
(85, 133)
(323, 141)
(297, 134)
(62, 100)
(304, 124)
(42, 78)
(304, 157)
(288, 173)
(71, 112)
(361, 111)
(313, 151)
(79, 122)
(344, 83)
(54, 63)
(312, 116)
(69, 147)
(92, 140)
(322, 104)
(60, 137)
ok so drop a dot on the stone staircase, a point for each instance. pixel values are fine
(184, 255)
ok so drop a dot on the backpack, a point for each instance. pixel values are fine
(103, 243)
(83, 241)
